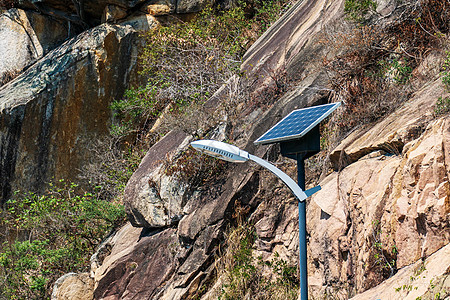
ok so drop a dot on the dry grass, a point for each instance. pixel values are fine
(244, 276)
(8, 76)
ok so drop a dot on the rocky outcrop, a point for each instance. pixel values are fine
(383, 212)
(143, 271)
(156, 201)
(289, 43)
(153, 199)
(81, 13)
(50, 114)
(26, 36)
(392, 133)
(85, 14)
(74, 286)
(159, 7)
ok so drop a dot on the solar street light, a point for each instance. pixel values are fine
(299, 137)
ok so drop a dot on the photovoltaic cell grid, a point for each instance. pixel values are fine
(297, 123)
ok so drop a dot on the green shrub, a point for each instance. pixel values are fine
(398, 70)
(443, 103)
(358, 10)
(49, 235)
(384, 259)
(446, 71)
(442, 106)
(186, 62)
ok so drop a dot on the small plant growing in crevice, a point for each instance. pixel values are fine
(397, 70)
(442, 106)
(404, 289)
(384, 256)
(359, 10)
(241, 270)
(446, 71)
(443, 103)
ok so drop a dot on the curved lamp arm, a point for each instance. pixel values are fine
(232, 153)
(293, 186)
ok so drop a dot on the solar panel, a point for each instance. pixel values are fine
(297, 123)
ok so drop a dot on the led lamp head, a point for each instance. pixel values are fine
(221, 150)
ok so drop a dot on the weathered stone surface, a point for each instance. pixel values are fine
(113, 248)
(192, 6)
(74, 286)
(401, 202)
(139, 274)
(153, 199)
(159, 7)
(290, 41)
(195, 265)
(422, 193)
(79, 12)
(346, 228)
(392, 133)
(113, 13)
(187, 265)
(428, 279)
(50, 114)
(26, 37)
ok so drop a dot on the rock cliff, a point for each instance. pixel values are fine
(383, 211)
(51, 113)
(26, 36)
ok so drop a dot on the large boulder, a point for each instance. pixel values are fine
(26, 36)
(386, 210)
(51, 113)
(74, 286)
(153, 199)
(140, 273)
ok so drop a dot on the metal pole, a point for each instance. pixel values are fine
(302, 230)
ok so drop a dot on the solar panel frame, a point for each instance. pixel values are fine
(332, 107)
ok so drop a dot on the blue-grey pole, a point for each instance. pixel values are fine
(302, 230)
